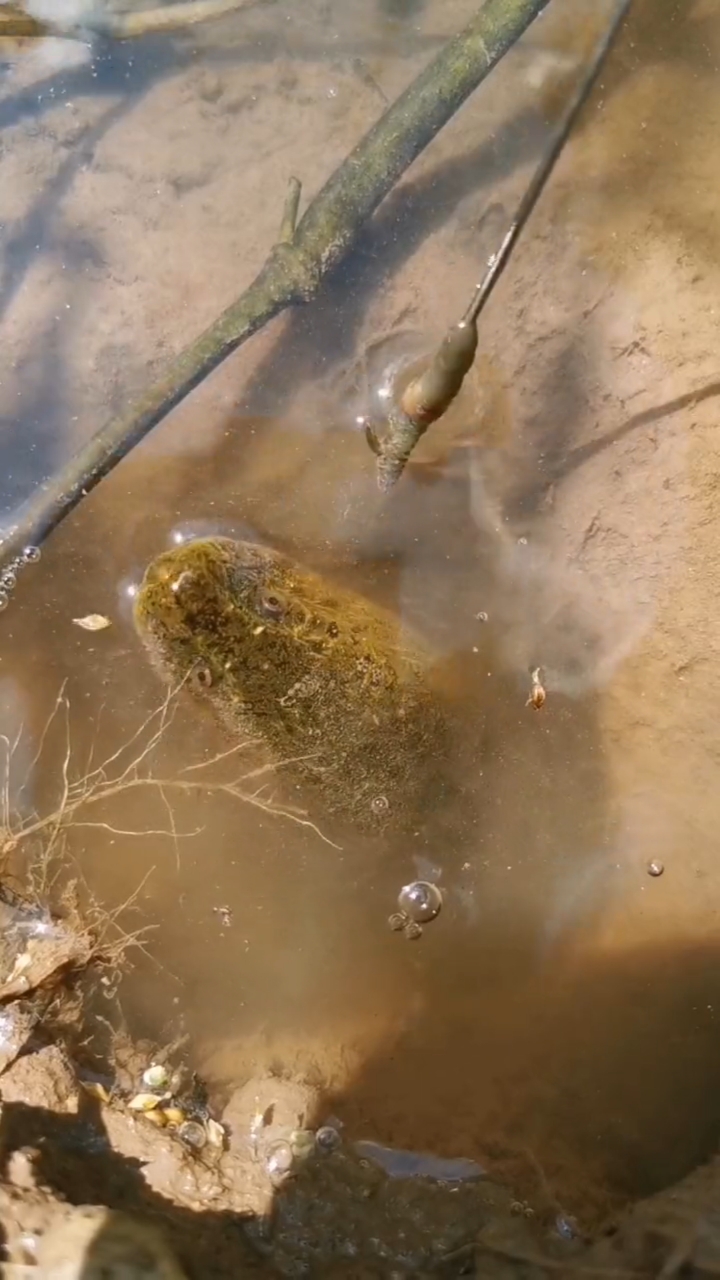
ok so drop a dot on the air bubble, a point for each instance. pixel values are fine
(379, 805)
(421, 901)
(328, 1139)
(30, 555)
(8, 580)
(4, 600)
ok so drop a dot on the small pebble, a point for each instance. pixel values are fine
(655, 868)
(420, 901)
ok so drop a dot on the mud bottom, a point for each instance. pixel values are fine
(277, 1196)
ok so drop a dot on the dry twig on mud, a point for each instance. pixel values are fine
(297, 265)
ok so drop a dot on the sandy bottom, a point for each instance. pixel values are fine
(562, 1011)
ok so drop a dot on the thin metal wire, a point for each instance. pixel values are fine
(499, 260)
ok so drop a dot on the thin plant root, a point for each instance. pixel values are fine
(54, 948)
(127, 769)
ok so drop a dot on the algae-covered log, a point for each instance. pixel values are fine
(296, 266)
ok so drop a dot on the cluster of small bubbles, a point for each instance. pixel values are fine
(397, 921)
(413, 931)
(521, 1209)
(278, 1161)
(327, 1139)
(421, 901)
(8, 576)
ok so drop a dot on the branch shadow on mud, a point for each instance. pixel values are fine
(32, 232)
(556, 460)
(42, 371)
(43, 407)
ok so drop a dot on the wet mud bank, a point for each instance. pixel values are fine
(279, 1200)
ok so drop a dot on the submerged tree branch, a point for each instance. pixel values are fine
(296, 266)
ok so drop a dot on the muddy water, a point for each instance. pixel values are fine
(561, 1012)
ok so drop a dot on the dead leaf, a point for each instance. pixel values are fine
(144, 1102)
(537, 693)
(93, 622)
(95, 1089)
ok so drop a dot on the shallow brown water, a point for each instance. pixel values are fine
(564, 1003)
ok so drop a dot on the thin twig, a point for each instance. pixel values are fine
(293, 272)
(430, 395)
(107, 790)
